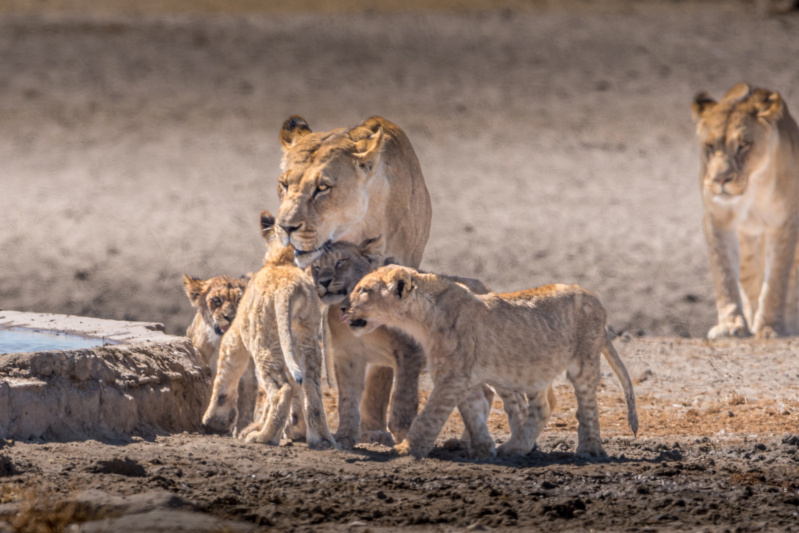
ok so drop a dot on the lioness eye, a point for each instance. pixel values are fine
(282, 186)
(743, 147)
(321, 188)
(341, 262)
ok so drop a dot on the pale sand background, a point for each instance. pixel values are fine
(138, 140)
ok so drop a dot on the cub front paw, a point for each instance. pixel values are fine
(403, 448)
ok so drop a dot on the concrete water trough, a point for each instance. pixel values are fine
(98, 379)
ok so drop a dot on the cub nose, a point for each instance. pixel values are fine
(325, 283)
(289, 229)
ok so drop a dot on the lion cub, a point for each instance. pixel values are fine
(517, 341)
(216, 300)
(335, 274)
(278, 327)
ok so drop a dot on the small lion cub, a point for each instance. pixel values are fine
(517, 341)
(277, 325)
(217, 300)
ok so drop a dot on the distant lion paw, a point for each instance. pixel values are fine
(768, 332)
(735, 327)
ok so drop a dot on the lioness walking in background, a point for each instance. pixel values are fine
(750, 194)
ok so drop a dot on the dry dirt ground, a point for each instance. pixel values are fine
(137, 144)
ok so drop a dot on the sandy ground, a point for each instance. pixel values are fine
(557, 145)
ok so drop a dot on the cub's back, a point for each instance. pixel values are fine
(568, 303)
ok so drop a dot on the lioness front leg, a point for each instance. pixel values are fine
(780, 248)
(446, 394)
(350, 371)
(374, 404)
(724, 254)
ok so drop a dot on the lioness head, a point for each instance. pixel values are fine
(216, 299)
(737, 135)
(343, 265)
(379, 298)
(323, 187)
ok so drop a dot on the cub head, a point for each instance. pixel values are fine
(380, 298)
(737, 135)
(216, 299)
(323, 188)
(343, 264)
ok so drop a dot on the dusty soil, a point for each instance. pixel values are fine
(718, 449)
(557, 145)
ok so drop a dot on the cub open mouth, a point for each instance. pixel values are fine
(358, 323)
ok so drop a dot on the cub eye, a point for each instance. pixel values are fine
(321, 189)
(744, 147)
(216, 302)
(282, 186)
(341, 262)
(709, 148)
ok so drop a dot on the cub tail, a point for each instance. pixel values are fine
(612, 357)
(283, 314)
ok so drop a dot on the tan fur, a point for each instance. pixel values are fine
(335, 274)
(750, 194)
(354, 184)
(278, 327)
(216, 300)
(516, 342)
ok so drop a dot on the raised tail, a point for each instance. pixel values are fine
(283, 313)
(612, 357)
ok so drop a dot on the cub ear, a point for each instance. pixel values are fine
(367, 150)
(404, 284)
(770, 108)
(390, 261)
(293, 128)
(702, 103)
(267, 223)
(195, 288)
(372, 249)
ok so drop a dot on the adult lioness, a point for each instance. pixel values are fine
(353, 184)
(750, 193)
(517, 341)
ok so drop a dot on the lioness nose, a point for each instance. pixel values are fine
(289, 229)
(325, 282)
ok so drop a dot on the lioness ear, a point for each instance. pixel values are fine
(390, 261)
(367, 150)
(404, 284)
(293, 128)
(770, 108)
(372, 249)
(702, 102)
(267, 223)
(195, 288)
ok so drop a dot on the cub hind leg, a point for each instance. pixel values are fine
(317, 433)
(279, 398)
(583, 373)
(530, 419)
